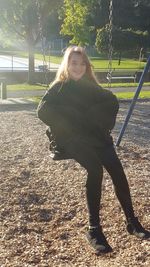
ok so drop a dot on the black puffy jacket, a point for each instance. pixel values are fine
(78, 108)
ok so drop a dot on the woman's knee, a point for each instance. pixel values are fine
(94, 177)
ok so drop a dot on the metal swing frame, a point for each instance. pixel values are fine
(109, 77)
(137, 92)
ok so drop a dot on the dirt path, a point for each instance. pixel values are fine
(43, 208)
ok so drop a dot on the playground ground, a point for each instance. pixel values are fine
(43, 208)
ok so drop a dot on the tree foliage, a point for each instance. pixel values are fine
(74, 24)
(83, 21)
(128, 39)
(142, 15)
(23, 17)
(131, 22)
(26, 20)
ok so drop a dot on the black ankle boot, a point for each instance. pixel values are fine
(135, 228)
(98, 241)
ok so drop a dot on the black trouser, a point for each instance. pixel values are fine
(93, 160)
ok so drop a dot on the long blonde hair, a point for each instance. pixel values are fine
(62, 74)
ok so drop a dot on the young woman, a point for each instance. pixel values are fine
(81, 115)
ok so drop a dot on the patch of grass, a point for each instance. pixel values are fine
(130, 95)
(128, 85)
(52, 59)
(125, 64)
(97, 62)
(36, 99)
(120, 95)
(25, 86)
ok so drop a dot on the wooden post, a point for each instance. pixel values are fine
(3, 88)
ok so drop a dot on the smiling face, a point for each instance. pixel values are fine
(76, 66)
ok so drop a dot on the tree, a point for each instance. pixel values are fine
(79, 20)
(52, 26)
(74, 23)
(129, 17)
(123, 40)
(142, 15)
(94, 15)
(26, 19)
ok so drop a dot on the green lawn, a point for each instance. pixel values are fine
(120, 95)
(96, 62)
(129, 95)
(125, 64)
(126, 85)
(24, 86)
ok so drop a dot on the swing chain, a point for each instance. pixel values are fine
(110, 46)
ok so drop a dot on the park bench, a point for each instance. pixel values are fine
(3, 87)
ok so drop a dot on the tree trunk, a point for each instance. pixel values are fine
(31, 65)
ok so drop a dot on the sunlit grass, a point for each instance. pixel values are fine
(125, 64)
(96, 62)
(36, 99)
(120, 95)
(130, 95)
(127, 85)
(24, 86)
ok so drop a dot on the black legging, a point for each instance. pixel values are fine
(93, 159)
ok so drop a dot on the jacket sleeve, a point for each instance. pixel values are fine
(103, 114)
(46, 107)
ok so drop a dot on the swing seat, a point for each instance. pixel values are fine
(123, 77)
(43, 67)
(56, 152)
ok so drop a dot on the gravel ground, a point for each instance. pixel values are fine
(43, 216)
